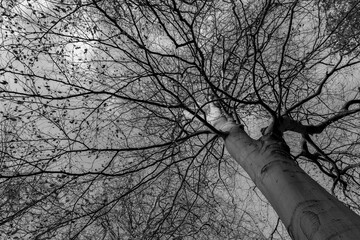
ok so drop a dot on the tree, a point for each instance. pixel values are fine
(115, 114)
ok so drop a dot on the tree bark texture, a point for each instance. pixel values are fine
(307, 210)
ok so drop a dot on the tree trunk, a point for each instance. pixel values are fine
(307, 210)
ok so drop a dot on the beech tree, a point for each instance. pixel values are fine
(167, 119)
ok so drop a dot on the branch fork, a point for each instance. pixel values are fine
(216, 119)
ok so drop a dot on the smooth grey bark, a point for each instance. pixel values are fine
(307, 210)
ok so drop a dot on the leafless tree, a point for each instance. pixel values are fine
(137, 120)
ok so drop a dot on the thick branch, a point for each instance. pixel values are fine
(217, 121)
(320, 127)
(349, 103)
(288, 124)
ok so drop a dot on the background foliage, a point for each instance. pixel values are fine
(94, 142)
